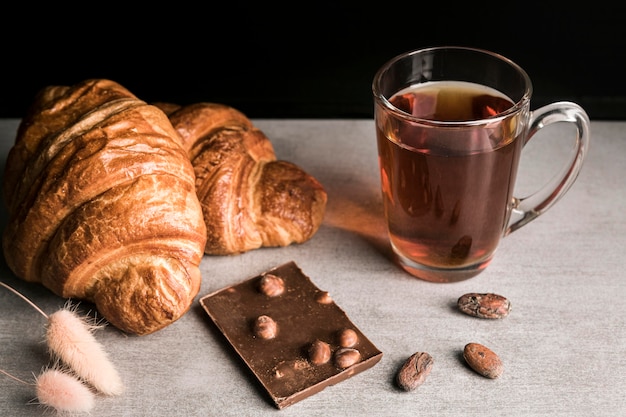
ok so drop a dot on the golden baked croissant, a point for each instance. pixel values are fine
(102, 205)
(249, 198)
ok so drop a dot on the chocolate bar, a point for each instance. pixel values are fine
(290, 334)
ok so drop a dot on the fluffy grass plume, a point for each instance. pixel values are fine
(63, 392)
(71, 339)
(60, 391)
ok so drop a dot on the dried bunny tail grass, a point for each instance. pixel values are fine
(14, 291)
(63, 392)
(2, 371)
(71, 339)
(60, 391)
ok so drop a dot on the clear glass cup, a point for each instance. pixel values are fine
(451, 125)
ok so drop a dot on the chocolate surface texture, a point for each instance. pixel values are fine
(290, 334)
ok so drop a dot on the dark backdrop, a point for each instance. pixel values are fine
(305, 60)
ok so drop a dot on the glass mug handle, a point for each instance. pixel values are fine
(529, 208)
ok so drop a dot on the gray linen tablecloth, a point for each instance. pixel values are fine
(563, 345)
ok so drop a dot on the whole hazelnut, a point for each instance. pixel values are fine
(265, 327)
(271, 285)
(348, 338)
(346, 357)
(319, 352)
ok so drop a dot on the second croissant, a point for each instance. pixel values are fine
(249, 198)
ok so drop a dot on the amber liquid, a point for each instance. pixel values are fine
(448, 191)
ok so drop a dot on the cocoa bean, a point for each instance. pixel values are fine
(483, 360)
(414, 371)
(485, 305)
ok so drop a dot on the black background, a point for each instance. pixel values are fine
(305, 60)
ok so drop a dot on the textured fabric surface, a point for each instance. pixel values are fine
(563, 345)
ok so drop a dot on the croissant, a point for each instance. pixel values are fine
(102, 205)
(249, 198)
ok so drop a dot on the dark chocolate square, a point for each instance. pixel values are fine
(303, 314)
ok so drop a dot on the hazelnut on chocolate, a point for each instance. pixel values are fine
(271, 285)
(265, 327)
(348, 338)
(346, 357)
(319, 352)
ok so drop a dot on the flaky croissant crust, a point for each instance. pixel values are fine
(102, 204)
(249, 198)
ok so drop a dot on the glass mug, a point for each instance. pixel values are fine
(451, 124)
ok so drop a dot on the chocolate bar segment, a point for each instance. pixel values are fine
(290, 334)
